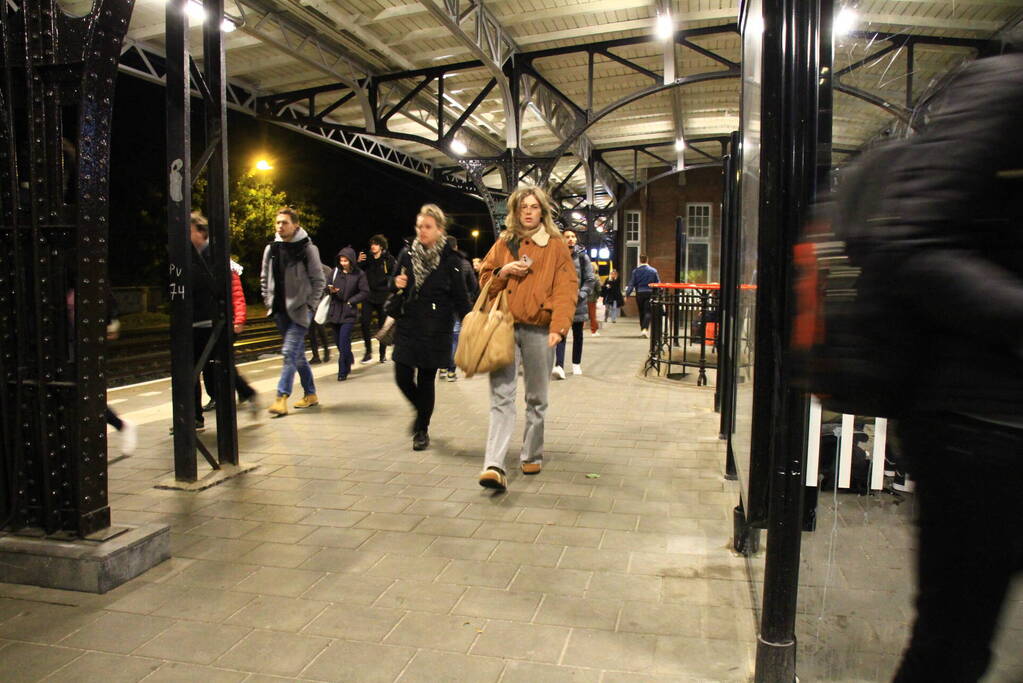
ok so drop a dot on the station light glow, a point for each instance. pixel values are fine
(665, 26)
(195, 11)
(227, 26)
(680, 145)
(845, 21)
(264, 165)
(458, 147)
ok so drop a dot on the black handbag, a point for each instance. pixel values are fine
(394, 306)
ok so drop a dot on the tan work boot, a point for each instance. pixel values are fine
(308, 401)
(280, 406)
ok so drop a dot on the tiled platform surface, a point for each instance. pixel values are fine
(349, 557)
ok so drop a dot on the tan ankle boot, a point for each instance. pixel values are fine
(280, 405)
(308, 401)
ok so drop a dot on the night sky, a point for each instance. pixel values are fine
(356, 195)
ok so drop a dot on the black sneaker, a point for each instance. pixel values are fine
(212, 405)
(367, 358)
(315, 360)
(420, 441)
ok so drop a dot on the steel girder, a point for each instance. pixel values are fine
(147, 63)
(56, 99)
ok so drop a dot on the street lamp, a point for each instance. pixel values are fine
(264, 165)
(475, 238)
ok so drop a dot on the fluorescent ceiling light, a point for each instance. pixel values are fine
(458, 147)
(680, 145)
(665, 26)
(845, 21)
(227, 26)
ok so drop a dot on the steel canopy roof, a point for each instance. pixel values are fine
(285, 46)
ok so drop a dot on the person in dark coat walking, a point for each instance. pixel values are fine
(317, 333)
(472, 288)
(587, 283)
(612, 293)
(379, 269)
(348, 288)
(430, 276)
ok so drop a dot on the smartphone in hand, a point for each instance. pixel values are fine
(528, 261)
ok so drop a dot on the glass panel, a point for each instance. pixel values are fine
(697, 262)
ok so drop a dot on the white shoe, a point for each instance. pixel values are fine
(595, 334)
(251, 404)
(558, 372)
(129, 437)
(577, 369)
(646, 333)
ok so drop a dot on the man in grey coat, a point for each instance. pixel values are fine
(292, 283)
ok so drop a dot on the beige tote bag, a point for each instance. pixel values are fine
(487, 339)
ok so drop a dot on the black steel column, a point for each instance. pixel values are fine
(788, 167)
(727, 345)
(179, 247)
(217, 212)
(56, 102)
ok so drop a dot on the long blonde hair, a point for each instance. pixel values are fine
(511, 221)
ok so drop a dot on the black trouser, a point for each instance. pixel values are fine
(577, 346)
(368, 308)
(318, 333)
(419, 390)
(201, 335)
(969, 475)
(113, 420)
(643, 301)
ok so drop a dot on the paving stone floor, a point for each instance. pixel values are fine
(346, 556)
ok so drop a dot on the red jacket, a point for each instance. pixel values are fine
(238, 298)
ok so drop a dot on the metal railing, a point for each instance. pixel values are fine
(684, 321)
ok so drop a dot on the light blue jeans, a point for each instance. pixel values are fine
(293, 350)
(611, 312)
(454, 342)
(536, 357)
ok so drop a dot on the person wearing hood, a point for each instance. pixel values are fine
(348, 288)
(530, 261)
(430, 277)
(587, 283)
(292, 284)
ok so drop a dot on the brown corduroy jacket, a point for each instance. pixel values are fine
(547, 295)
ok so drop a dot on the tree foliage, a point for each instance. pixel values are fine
(253, 208)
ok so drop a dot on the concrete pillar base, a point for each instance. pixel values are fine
(93, 564)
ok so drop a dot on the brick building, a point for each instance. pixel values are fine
(647, 226)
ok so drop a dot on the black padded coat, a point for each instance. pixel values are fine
(423, 334)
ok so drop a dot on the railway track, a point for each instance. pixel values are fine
(141, 355)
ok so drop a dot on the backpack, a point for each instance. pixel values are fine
(851, 344)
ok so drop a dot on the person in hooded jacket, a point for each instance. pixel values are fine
(587, 284)
(431, 280)
(348, 288)
(292, 285)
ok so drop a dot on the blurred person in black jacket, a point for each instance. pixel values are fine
(951, 258)
(379, 269)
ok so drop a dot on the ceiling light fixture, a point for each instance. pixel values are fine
(195, 11)
(228, 25)
(680, 145)
(458, 147)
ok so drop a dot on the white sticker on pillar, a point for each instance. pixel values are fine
(175, 181)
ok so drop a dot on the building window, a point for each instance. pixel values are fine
(697, 256)
(632, 227)
(633, 242)
(698, 221)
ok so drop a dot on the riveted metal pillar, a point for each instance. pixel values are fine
(56, 99)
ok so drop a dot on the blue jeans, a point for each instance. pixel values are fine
(612, 312)
(345, 359)
(293, 351)
(454, 343)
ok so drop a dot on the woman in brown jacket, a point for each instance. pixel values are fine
(531, 261)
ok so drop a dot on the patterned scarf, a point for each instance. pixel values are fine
(425, 259)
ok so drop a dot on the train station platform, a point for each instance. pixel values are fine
(347, 556)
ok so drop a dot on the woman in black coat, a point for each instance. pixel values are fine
(348, 288)
(612, 293)
(430, 276)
